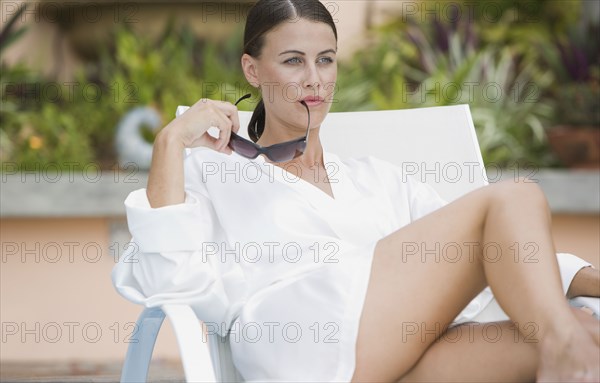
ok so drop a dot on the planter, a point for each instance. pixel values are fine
(576, 147)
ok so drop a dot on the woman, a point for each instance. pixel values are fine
(360, 307)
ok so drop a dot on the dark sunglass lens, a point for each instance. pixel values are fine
(242, 147)
(281, 153)
(300, 148)
(286, 152)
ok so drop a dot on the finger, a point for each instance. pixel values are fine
(206, 140)
(226, 150)
(225, 134)
(216, 119)
(231, 111)
(224, 124)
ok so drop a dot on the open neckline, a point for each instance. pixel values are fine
(288, 178)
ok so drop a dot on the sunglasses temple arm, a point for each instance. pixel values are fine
(308, 127)
(243, 98)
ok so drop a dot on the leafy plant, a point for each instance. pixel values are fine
(444, 63)
(79, 127)
(574, 60)
(502, 89)
(492, 65)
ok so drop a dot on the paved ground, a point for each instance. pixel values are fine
(160, 371)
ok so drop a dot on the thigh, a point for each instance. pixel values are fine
(478, 352)
(422, 276)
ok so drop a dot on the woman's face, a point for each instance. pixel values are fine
(298, 60)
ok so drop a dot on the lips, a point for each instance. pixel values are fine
(313, 100)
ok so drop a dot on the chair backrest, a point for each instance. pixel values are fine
(438, 145)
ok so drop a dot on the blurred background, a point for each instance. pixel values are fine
(85, 86)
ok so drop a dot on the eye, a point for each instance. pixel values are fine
(293, 60)
(326, 60)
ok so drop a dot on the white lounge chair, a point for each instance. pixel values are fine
(438, 145)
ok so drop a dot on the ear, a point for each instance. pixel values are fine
(250, 70)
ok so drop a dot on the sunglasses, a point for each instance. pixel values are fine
(281, 152)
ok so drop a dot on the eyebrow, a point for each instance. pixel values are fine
(304, 54)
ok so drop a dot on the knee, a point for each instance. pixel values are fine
(521, 190)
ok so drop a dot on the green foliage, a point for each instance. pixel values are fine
(574, 59)
(484, 61)
(509, 67)
(66, 124)
(504, 96)
(79, 126)
(578, 104)
(175, 69)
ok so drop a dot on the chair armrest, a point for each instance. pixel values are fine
(193, 348)
(139, 352)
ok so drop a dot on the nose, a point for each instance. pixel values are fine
(311, 78)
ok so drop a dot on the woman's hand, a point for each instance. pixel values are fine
(166, 178)
(190, 128)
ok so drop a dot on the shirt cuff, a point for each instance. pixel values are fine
(180, 227)
(569, 265)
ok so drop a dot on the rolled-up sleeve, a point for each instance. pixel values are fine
(181, 227)
(174, 256)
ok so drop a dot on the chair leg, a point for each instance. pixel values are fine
(139, 352)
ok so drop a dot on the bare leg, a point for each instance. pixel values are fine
(480, 352)
(585, 283)
(414, 295)
(591, 324)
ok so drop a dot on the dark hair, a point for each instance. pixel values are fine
(264, 16)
